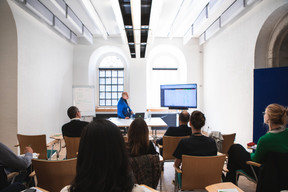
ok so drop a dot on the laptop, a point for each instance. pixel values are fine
(139, 115)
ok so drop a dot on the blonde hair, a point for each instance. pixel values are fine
(277, 114)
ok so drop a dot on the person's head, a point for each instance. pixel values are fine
(125, 95)
(138, 137)
(102, 162)
(73, 112)
(275, 115)
(197, 120)
(184, 118)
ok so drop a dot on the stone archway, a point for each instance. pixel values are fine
(271, 47)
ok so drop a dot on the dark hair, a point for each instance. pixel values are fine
(102, 163)
(184, 117)
(277, 114)
(197, 119)
(72, 111)
(138, 137)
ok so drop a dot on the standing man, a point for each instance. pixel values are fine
(75, 126)
(123, 109)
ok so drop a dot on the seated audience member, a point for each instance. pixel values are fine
(102, 163)
(123, 109)
(182, 130)
(275, 116)
(75, 126)
(9, 162)
(138, 139)
(197, 144)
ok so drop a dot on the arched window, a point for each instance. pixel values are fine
(111, 80)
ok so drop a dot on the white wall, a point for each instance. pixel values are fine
(8, 77)
(228, 60)
(44, 76)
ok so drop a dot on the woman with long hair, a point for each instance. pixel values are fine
(102, 162)
(138, 139)
(275, 140)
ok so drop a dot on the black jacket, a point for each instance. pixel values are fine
(73, 128)
(182, 130)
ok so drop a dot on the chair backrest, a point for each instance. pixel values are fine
(54, 175)
(199, 171)
(273, 173)
(146, 169)
(169, 145)
(228, 140)
(72, 146)
(37, 142)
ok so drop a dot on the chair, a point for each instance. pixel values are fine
(228, 140)
(198, 172)
(72, 146)
(272, 173)
(54, 175)
(169, 145)
(38, 144)
(146, 169)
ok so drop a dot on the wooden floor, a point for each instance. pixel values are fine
(168, 174)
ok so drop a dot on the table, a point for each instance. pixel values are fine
(151, 122)
(225, 185)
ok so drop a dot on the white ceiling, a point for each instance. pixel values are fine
(163, 16)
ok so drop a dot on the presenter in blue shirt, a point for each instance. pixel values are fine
(123, 109)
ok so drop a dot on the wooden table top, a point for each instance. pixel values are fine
(225, 185)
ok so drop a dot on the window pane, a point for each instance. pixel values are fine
(114, 73)
(120, 88)
(102, 95)
(114, 80)
(114, 87)
(119, 95)
(108, 73)
(102, 81)
(108, 102)
(114, 95)
(108, 87)
(114, 102)
(121, 73)
(102, 102)
(108, 80)
(108, 95)
(102, 73)
(120, 81)
(102, 87)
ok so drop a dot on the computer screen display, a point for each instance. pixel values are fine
(179, 96)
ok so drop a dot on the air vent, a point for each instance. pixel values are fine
(87, 35)
(213, 29)
(39, 9)
(61, 28)
(200, 19)
(74, 19)
(202, 38)
(74, 38)
(232, 12)
(61, 5)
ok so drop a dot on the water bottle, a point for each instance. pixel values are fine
(149, 115)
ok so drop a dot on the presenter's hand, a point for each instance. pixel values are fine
(126, 117)
(132, 112)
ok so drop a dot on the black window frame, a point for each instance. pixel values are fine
(110, 84)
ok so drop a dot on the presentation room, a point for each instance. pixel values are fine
(207, 79)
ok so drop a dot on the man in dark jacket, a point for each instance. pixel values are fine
(75, 126)
(182, 130)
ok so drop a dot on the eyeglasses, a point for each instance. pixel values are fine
(263, 112)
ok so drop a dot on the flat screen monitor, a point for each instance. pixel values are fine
(179, 96)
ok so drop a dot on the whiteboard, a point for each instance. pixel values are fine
(84, 99)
